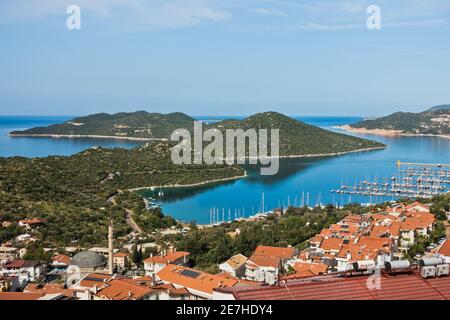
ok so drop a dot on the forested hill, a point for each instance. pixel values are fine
(298, 138)
(71, 193)
(433, 121)
(140, 124)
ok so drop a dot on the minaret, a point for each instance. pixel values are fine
(110, 248)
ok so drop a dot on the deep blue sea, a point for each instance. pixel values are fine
(297, 177)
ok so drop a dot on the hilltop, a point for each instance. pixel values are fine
(434, 121)
(139, 125)
(298, 138)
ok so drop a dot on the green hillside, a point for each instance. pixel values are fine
(433, 121)
(298, 138)
(71, 193)
(140, 124)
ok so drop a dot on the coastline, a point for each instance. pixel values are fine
(390, 133)
(334, 153)
(190, 185)
(245, 173)
(81, 136)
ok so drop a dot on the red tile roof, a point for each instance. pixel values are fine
(50, 289)
(168, 258)
(120, 255)
(20, 296)
(17, 263)
(202, 281)
(32, 221)
(417, 204)
(123, 290)
(61, 258)
(283, 253)
(331, 244)
(264, 261)
(400, 287)
(444, 249)
(314, 268)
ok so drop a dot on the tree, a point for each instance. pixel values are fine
(136, 255)
(35, 251)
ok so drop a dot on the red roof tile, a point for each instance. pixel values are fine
(400, 287)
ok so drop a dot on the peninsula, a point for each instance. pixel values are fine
(432, 122)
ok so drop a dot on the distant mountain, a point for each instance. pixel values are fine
(434, 121)
(140, 124)
(298, 138)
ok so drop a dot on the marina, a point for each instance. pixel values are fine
(412, 180)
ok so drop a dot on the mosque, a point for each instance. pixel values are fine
(86, 262)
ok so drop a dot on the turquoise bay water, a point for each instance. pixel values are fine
(313, 176)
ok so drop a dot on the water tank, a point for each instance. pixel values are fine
(442, 270)
(395, 265)
(432, 261)
(428, 271)
(364, 265)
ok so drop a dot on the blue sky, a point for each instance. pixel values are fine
(228, 57)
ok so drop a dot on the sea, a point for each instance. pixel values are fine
(307, 181)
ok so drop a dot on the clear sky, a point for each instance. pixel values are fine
(223, 57)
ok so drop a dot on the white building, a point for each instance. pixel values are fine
(235, 265)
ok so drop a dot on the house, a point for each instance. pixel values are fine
(235, 265)
(120, 260)
(30, 223)
(285, 254)
(56, 289)
(199, 284)
(444, 251)
(122, 289)
(354, 252)
(264, 269)
(154, 264)
(266, 263)
(384, 247)
(92, 282)
(417, 207)
(304, 269)
(60, 262)
(24, 238)
(26, 271)
(169, 292)
(330, 246)
(22, 296)
(7, 254)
